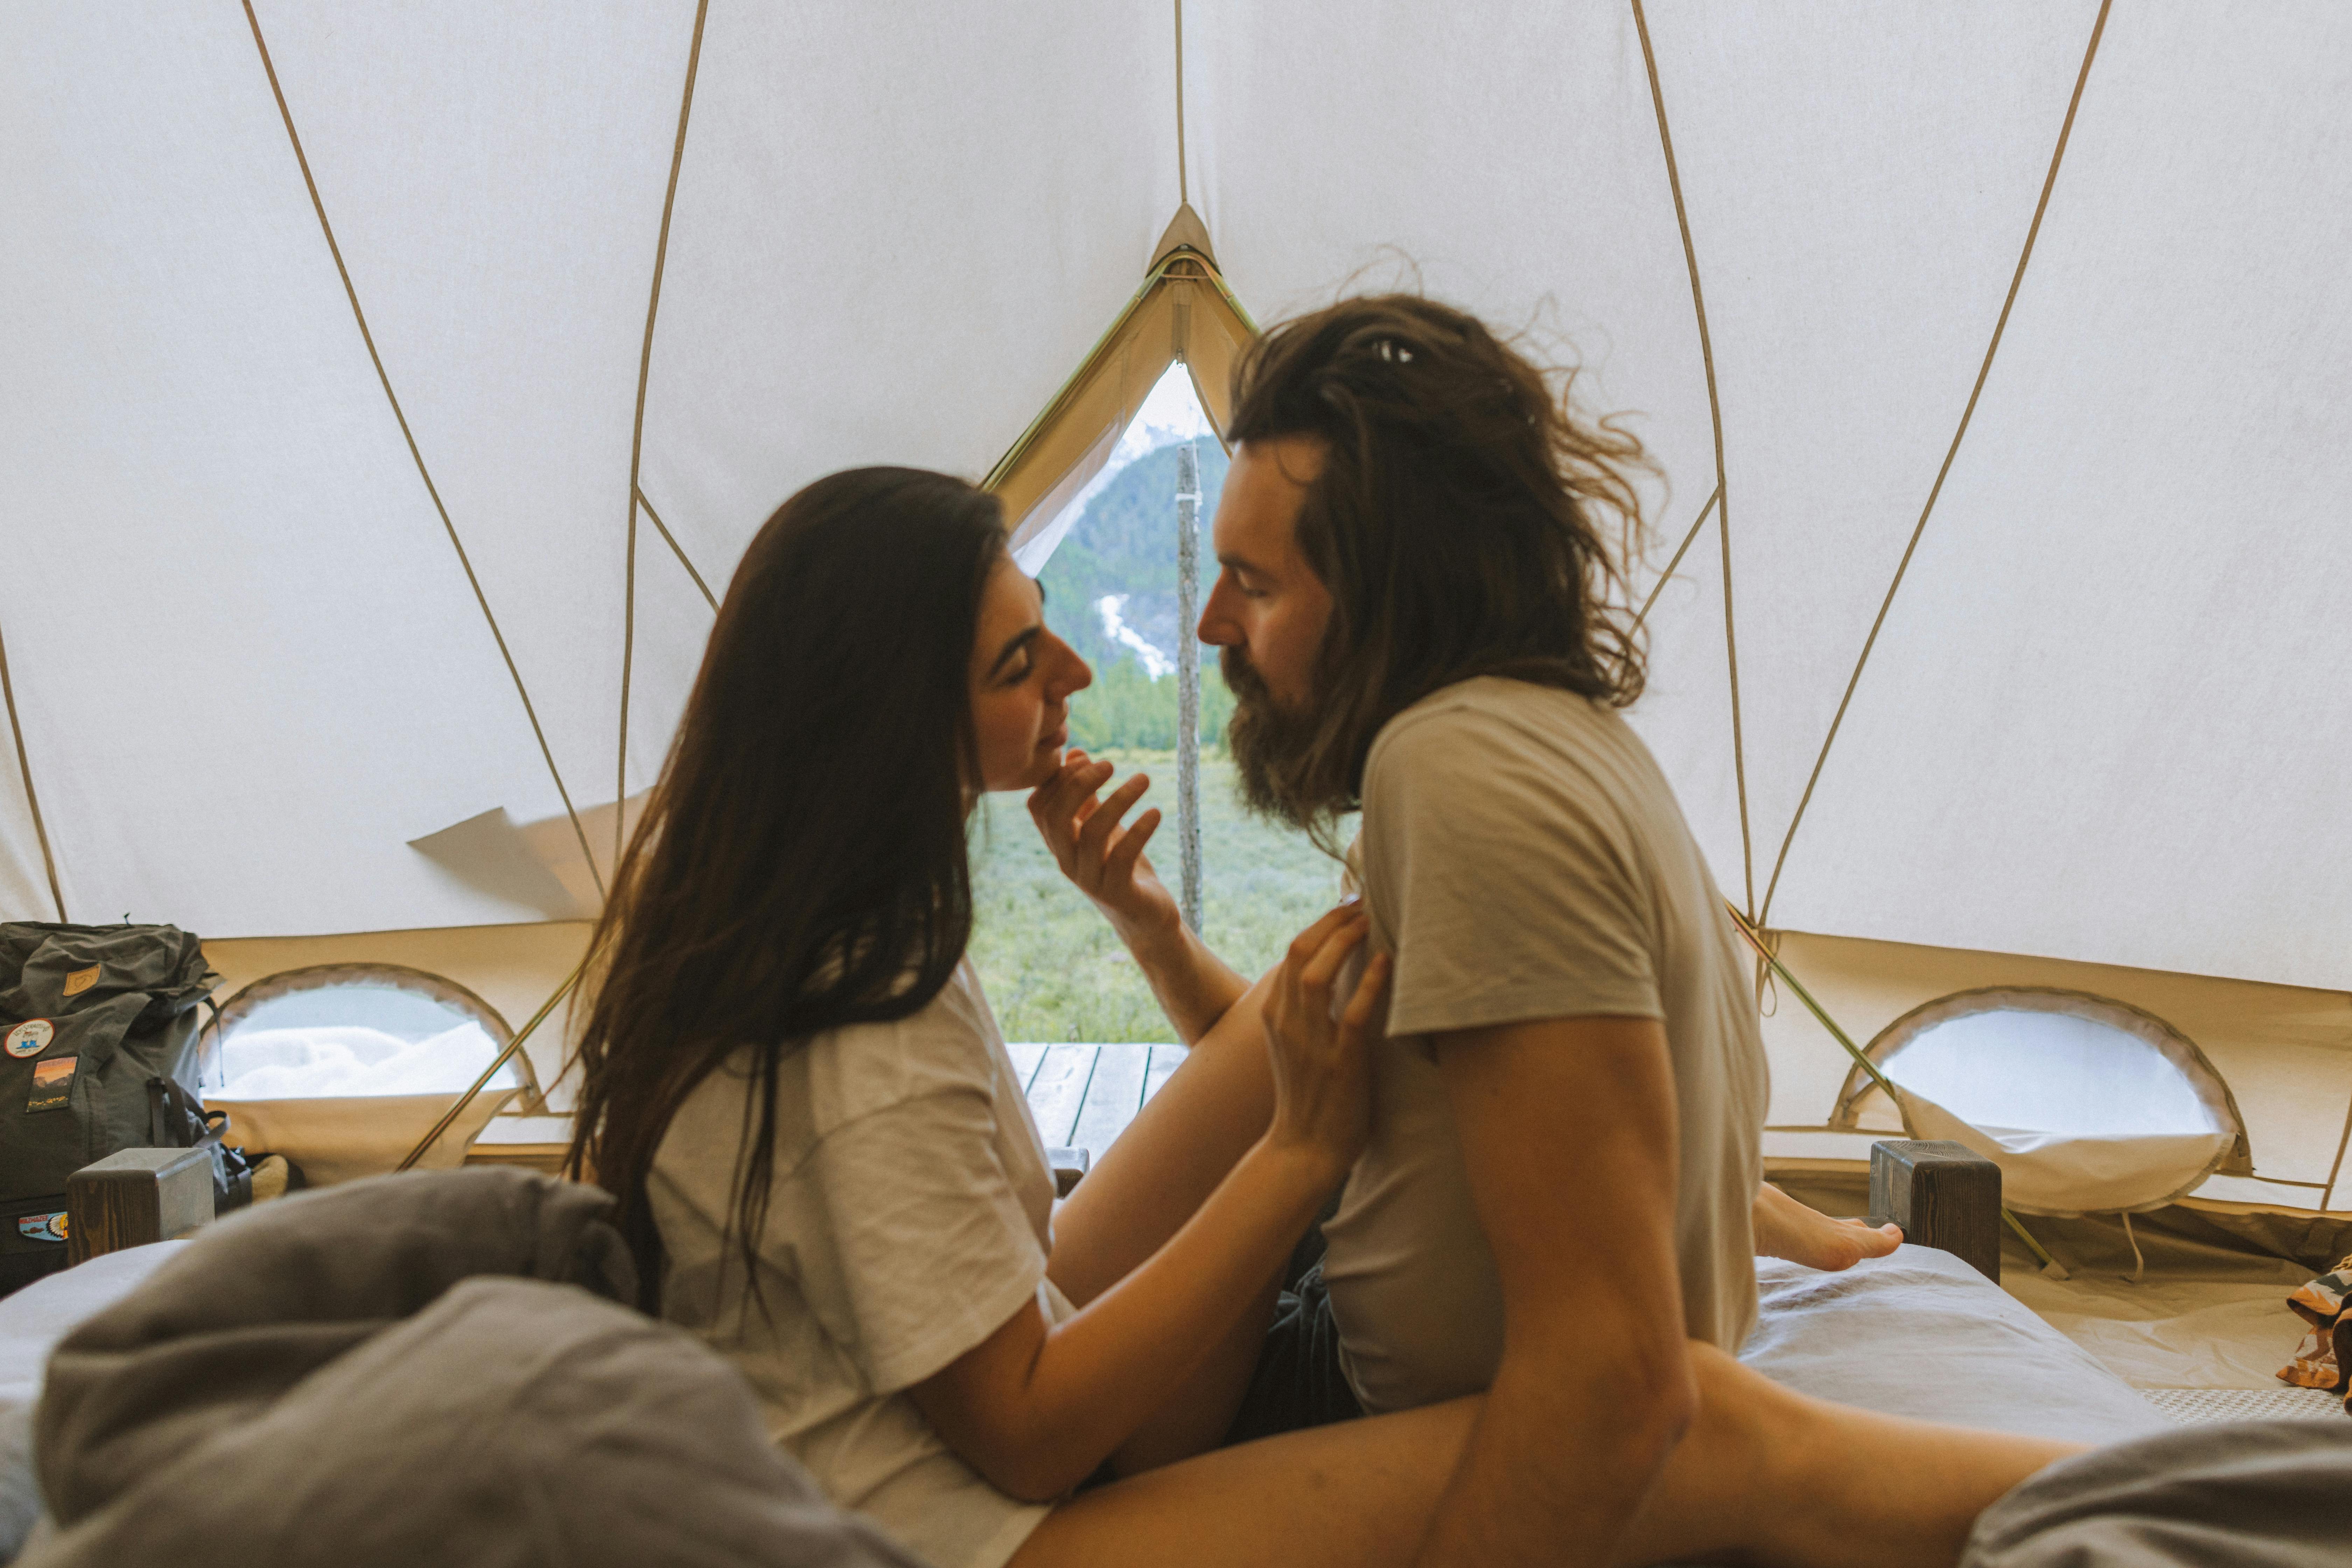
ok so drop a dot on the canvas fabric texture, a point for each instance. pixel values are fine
(1523, 858)
(907, 1221)
(423, 1368)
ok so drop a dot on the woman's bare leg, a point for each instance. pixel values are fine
(1144, 1188)
(1764, 1474)
(1171, 1158)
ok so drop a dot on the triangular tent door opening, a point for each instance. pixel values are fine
(1183, 312)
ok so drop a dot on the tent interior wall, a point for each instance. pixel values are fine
(390, 391)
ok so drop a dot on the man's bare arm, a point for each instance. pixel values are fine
(1567, 1128)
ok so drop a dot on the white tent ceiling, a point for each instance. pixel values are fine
(2105, 719)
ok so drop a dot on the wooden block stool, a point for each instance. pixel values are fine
(135, 1196)
(1943, 1195)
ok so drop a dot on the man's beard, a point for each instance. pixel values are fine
(1271, 746)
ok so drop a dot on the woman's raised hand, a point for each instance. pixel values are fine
(1105, 859)
(1322, 1062)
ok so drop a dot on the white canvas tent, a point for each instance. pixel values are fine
(386, 389)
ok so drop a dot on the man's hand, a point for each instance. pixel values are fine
(1787, 1229)
(1103, 859)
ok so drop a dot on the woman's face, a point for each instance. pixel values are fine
(1022, 678)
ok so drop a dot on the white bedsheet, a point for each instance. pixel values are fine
(35, 1318)
(1920, 1333)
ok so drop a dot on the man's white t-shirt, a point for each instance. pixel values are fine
(907, 1221)
(1523, 858)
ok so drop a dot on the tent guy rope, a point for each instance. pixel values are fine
(1715, 415)
(1666, 576)
(25, 771)
(2016, 279)
(637, 442)
(1877, 1075)
(678, 550)
(1183, 184)
(458, 1109)
(384, 377)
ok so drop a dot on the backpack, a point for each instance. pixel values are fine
(99, 1046)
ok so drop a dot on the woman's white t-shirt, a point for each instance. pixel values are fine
(907, 1220)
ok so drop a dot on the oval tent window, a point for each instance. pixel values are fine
(342, 1031)
(2087, 1105)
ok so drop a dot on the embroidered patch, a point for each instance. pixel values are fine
(42, 1226)
(52, 1081)
(81, 980)
(31, 1038)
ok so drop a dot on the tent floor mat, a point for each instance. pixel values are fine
(2195, 1406)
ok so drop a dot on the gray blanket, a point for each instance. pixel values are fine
(2251, 1494)
(426, 1368)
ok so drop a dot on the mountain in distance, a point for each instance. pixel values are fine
(1123, 547)
(1124, 543)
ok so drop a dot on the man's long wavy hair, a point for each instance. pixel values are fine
(1460, 521)
(801, 864)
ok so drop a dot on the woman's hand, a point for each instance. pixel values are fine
(1322, 1066)
(1105, 859)
(1193, 985)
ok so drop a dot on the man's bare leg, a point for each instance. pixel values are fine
(1764, 1474)
(1787, 1229)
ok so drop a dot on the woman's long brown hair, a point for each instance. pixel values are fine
(801, 864)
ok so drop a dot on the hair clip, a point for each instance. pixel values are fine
(1395, 352)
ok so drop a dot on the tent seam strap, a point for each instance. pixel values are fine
(1183, 182)
(1967, 412)
(384, 377)
(1680, 551)
(1714, 417)
(638, 440)
(676, 549)
(25, 770)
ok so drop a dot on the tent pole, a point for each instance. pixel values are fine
(417, 453)
(2049, 1265)
(33, 801)
(489, 1072)
(1187, 676)
(1967, 412)
(1861, 1059)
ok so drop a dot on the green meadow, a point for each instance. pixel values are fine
(1051, 966)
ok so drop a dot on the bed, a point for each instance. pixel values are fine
(1918, 1333)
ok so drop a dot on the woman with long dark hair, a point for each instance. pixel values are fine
(795, 1088)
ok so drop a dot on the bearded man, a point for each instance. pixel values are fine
(1563, 1183)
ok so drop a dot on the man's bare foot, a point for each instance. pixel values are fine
(1787, 1229)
